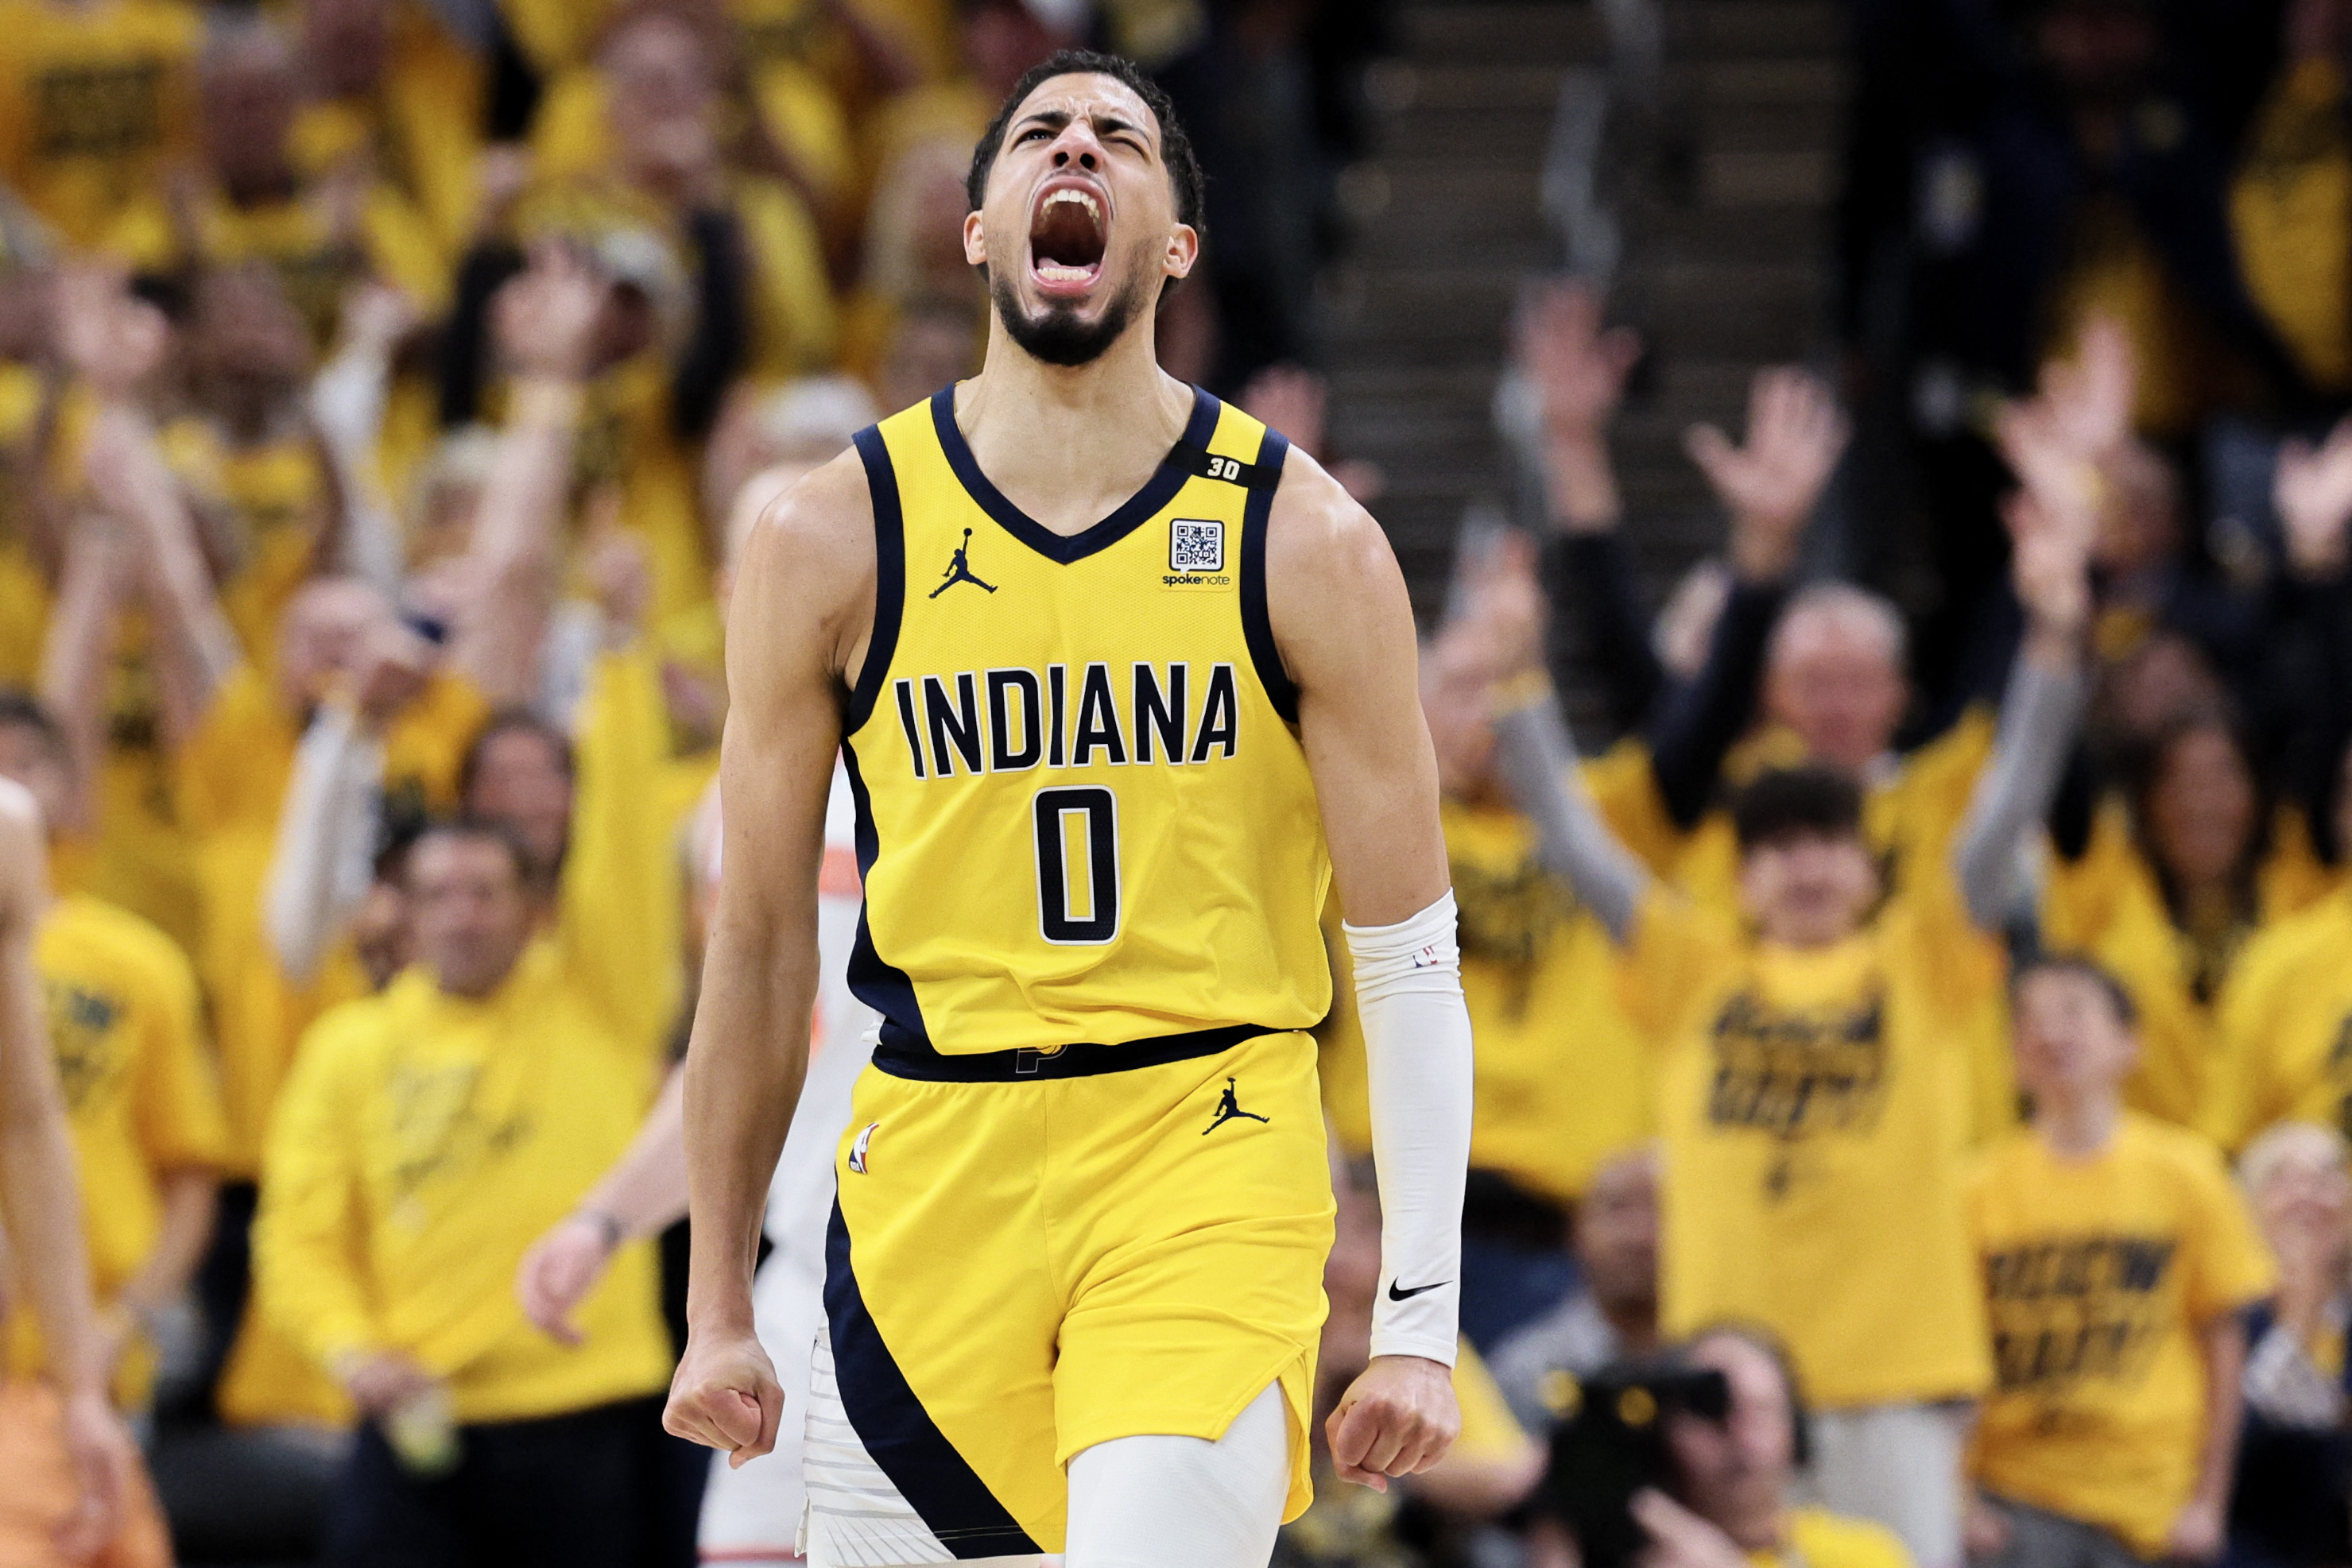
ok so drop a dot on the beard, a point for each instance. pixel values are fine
(1056, 334)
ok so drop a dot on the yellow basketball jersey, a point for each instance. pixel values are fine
(1083, 815)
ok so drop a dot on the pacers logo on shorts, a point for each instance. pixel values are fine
(857, 1149)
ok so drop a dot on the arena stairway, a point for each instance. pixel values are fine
(1719, 172)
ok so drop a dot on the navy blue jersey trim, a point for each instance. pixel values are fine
(889, 577)
(902, 1057)
(1257, 626)
(882, 987)
(898, 1433)
(1138, 509)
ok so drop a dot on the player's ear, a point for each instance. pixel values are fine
(975, 244)
(1184, 250)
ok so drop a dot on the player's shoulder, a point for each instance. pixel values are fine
(1327, 558)
(829, 509)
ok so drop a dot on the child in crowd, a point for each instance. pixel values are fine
(2118, 1257)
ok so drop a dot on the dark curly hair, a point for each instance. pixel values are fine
(1175, 148)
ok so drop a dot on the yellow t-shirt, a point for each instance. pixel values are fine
(2294, 181)
(2285, 1050)
(422, 1145)
(140, 1091)
(1490, 1433)
(421, 131)
(1816, 1111)
(2107, 904)
(2099, 1275)
(96, 101)
(1820, 1539)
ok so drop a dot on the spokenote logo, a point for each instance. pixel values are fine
(960, 569)
(1196, 554)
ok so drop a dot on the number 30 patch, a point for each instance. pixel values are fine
(1195, 545)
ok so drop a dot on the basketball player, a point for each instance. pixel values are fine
(1072, 1300)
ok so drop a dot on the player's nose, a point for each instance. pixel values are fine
(1078, 146)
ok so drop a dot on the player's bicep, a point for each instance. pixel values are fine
(1344, 626)
(794, 628)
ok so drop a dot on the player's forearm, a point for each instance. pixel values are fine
(646, 1192)
(1418, 1065)
(742, 1079)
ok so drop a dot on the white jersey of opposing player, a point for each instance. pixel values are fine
(752, 1515)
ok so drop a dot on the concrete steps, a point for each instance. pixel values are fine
(1723, 268)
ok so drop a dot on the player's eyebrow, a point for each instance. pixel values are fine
(1105, 125)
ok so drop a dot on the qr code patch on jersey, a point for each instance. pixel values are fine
(1195, 546)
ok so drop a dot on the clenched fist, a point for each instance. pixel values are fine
(724, 1395)
(1397, 1418)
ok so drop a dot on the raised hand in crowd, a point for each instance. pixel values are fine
(108, 337)
(1796, 433)
(2311, 491)
(548, 321)
(1499, 635)
(1294, 400)
(620, 577)
(2091, 394)
(114, 342)
(1577, 369)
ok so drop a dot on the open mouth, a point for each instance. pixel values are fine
(1066, 237)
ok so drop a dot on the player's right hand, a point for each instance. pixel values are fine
(724, 1395)
(104, 1463)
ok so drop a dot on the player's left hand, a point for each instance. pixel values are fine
(1397, 1418)
(724, 1395)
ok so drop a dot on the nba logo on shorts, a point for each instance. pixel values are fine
(1194, 545)
(857, 1149)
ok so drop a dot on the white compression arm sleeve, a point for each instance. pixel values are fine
(1417, 1055)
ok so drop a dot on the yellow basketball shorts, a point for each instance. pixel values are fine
(1032, 1253)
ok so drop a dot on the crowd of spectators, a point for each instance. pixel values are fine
(1922, 1023)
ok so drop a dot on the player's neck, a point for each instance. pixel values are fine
(1068, 445)
(2078, 1124)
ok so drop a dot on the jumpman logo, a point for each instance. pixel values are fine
(959, 568)
(1229, 1109)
